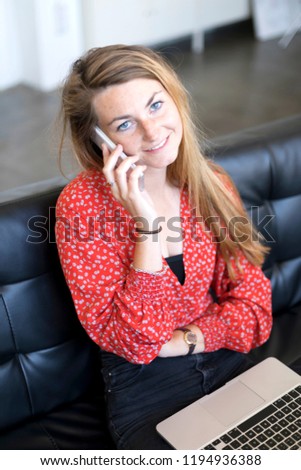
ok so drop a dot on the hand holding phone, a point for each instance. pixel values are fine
(99, 137)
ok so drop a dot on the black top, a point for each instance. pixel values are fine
(176, 264)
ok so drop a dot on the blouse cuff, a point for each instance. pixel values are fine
(155, 273)
(146, 284)
(214, 332)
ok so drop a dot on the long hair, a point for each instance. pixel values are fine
(211, 191)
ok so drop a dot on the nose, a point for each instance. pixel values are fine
(150, 130)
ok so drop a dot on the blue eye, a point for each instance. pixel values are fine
(124, 126)
(156, 105)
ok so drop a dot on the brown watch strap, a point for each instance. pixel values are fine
(190, 345)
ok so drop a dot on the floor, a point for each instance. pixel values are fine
(235, 83)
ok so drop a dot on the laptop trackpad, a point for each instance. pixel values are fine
(233, 402)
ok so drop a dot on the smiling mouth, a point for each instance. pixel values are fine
(159, 146)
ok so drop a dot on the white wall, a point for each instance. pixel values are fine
(150, 22)
(10, 52)
(137, 21)
(54, 42)
(215, 13)
(40, 38)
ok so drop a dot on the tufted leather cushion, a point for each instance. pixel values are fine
(50, 390)
(47, 362)
(265, 164)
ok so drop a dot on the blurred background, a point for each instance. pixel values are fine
(239, 59)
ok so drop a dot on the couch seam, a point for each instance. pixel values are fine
(17, 354)
(33, 277)
(50, 437)
(40, 196)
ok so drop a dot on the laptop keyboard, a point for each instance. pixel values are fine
(277, 426)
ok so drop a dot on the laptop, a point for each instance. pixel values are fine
(259, 409)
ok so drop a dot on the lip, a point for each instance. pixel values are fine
(158, 147)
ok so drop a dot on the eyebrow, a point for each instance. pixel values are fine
(128, 116)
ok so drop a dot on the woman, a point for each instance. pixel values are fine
(165, 279)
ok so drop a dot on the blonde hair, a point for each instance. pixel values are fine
(211, 191)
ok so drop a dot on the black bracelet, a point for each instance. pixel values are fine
(148, 232)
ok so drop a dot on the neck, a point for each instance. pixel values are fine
(156, 181)
(165, 195)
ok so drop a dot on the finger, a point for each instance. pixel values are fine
(113, 159)
(125, 165)
(110, 157)
(110, 161)
(117, 175)
(122, 174)
(136, 179)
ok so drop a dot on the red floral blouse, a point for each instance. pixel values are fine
(132, 314)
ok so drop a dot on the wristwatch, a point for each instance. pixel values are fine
(189, 338)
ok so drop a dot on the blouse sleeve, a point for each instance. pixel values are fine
(242, 318)
(122, 310)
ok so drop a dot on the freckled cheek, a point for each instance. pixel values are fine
(131, 146)
(175, 122)
(179, 131)
(174, 126)
(180, 127)
(128, 142)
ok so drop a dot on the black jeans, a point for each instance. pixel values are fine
(140, 396)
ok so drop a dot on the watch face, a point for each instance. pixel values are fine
(191, 338)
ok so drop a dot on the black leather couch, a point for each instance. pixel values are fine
(51, 394)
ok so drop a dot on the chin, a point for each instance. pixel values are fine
(159, 163)
(160, 160)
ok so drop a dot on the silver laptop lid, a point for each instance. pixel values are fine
(213, 415)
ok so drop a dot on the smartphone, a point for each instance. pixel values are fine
(99, 137)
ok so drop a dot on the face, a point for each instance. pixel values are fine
(142, 117)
